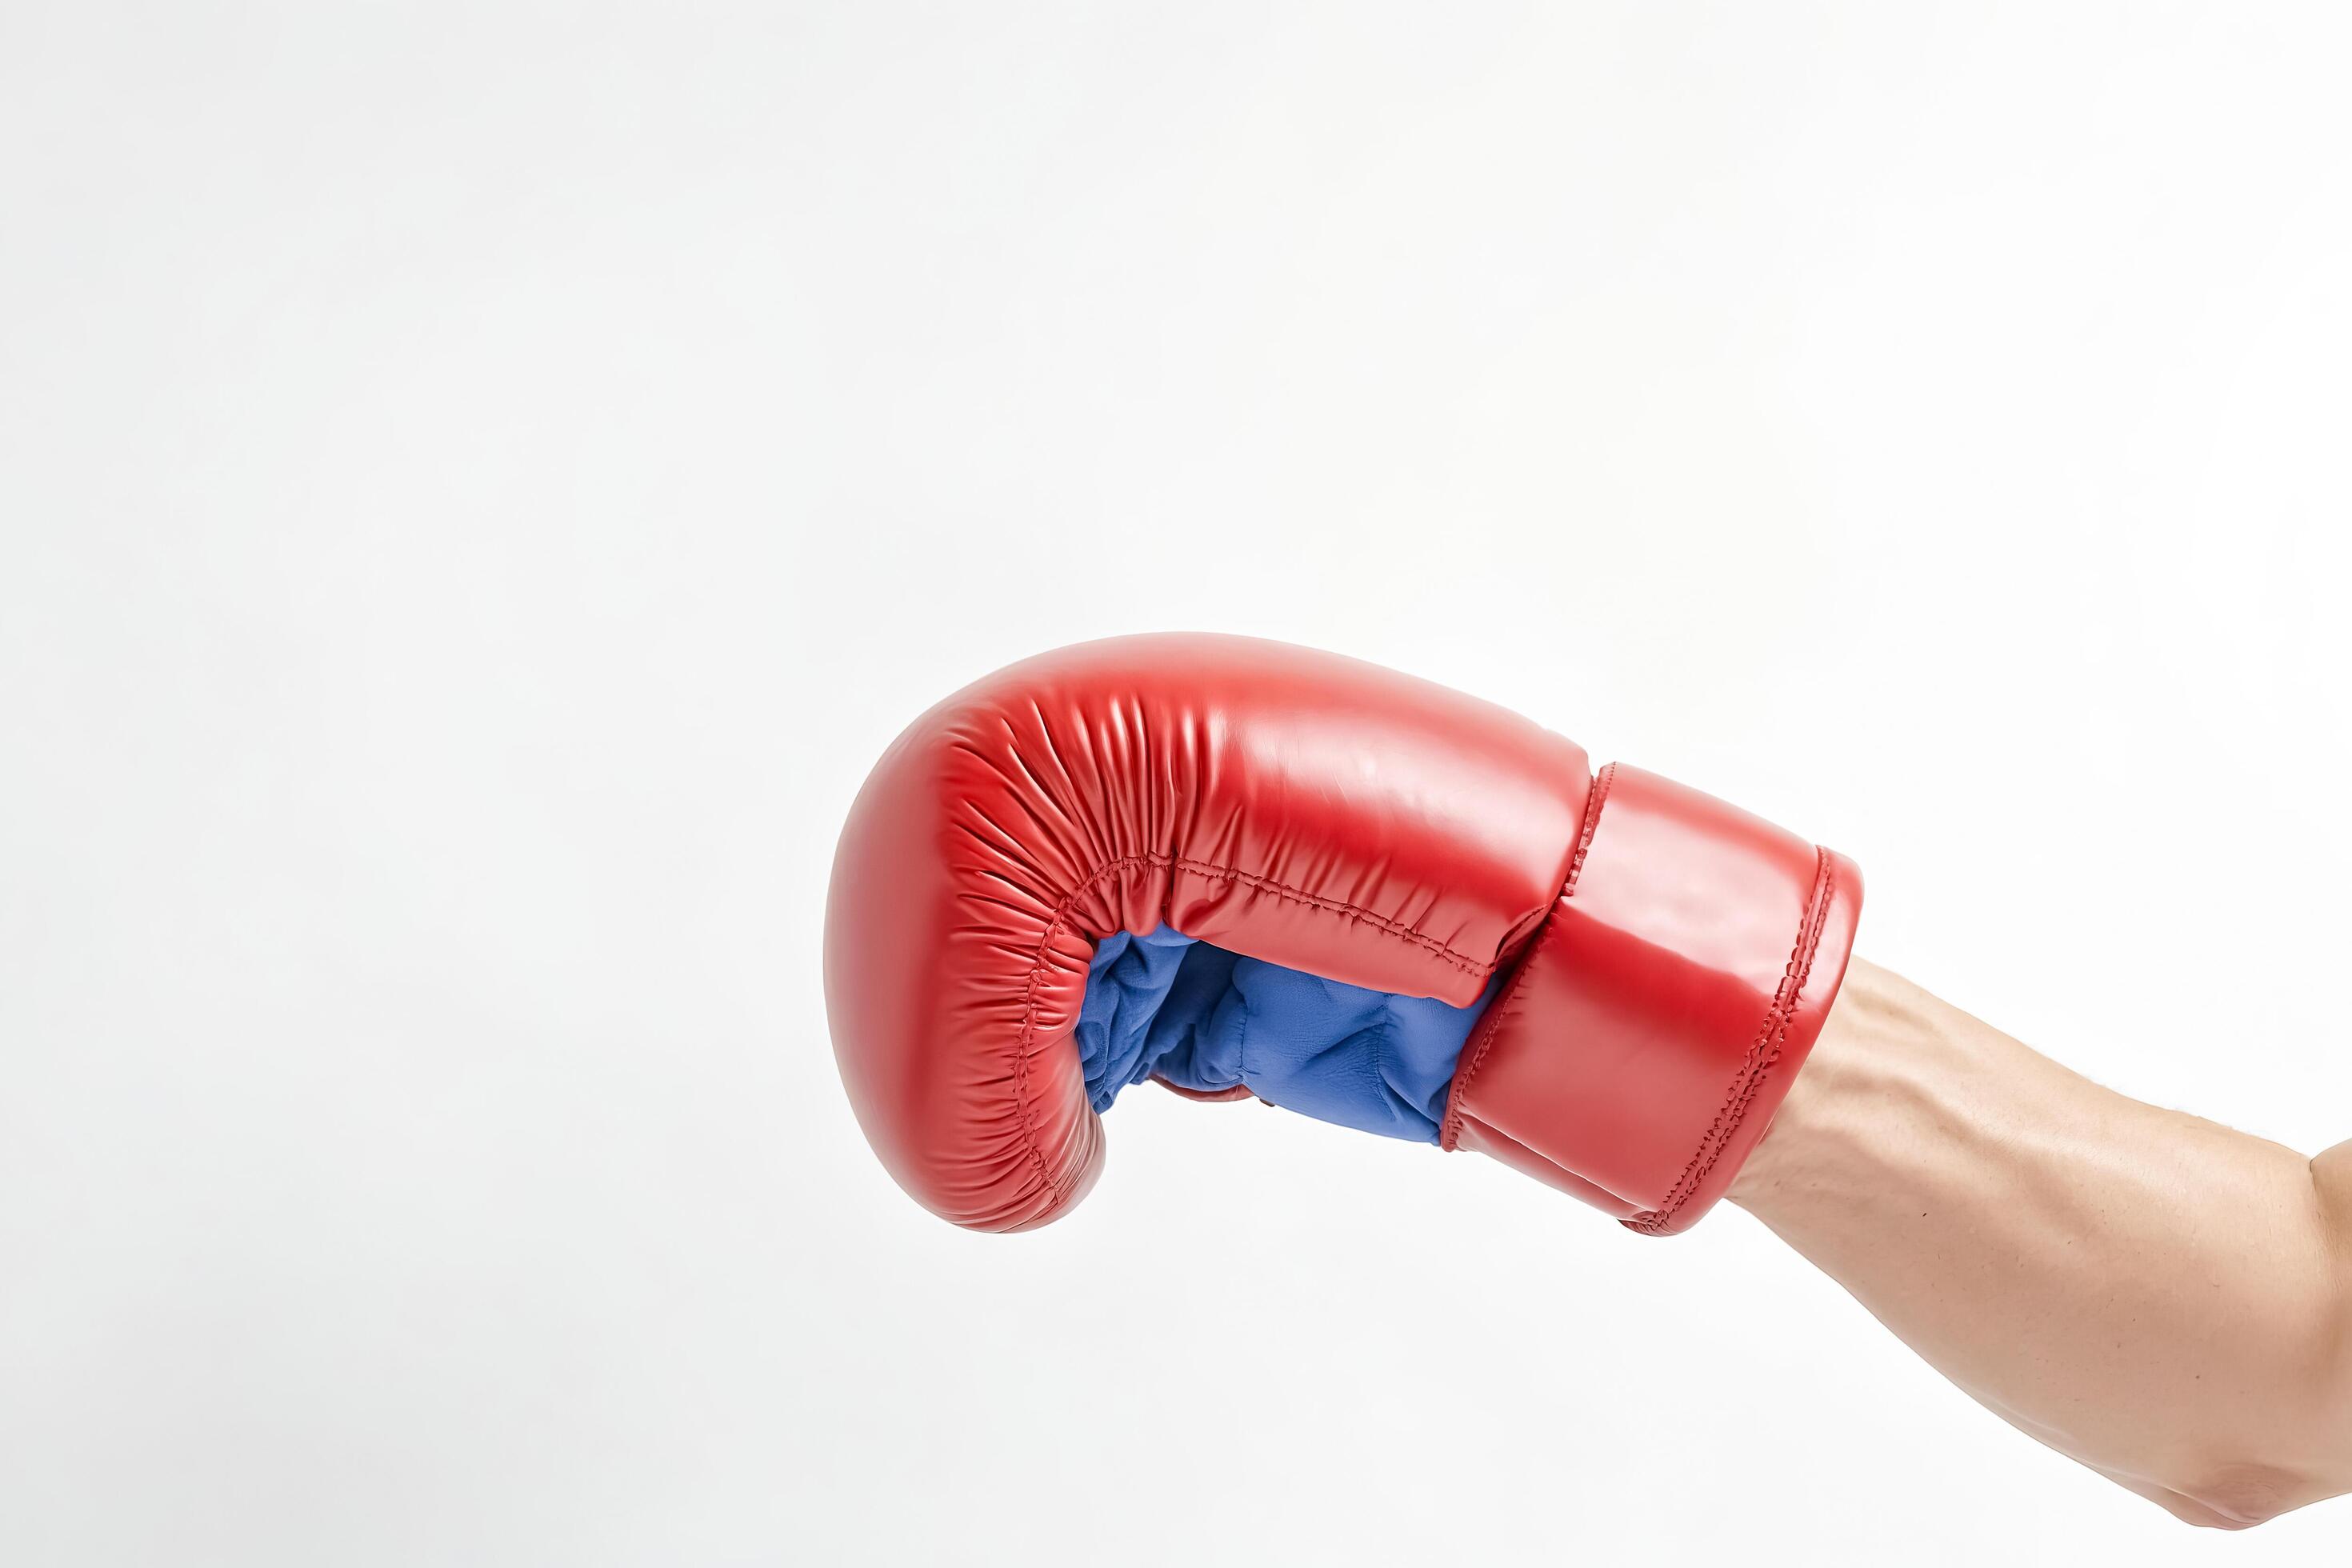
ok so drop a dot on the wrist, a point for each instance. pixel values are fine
(1863, 1081)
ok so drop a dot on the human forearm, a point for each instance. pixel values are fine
(2160, 1297)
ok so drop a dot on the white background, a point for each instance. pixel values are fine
(481, 483)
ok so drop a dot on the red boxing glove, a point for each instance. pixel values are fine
(1658, 963)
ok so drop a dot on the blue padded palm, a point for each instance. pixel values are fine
(1203, 1018)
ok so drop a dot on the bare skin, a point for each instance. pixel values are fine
(2162, 1299)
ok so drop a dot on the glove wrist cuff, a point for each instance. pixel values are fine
(1649, 1032)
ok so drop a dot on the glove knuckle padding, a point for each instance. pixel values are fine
(1305, 809)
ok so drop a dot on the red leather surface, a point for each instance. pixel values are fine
(1643, 1044)
(1296, 806)
(1675, 956)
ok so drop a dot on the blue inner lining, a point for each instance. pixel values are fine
(1204, 1018)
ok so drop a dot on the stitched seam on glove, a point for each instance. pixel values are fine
(1458, 1098)
(1021, 1099)
(1760, 1059)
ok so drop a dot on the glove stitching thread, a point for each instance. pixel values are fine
(1592, 821)
(1026, 1104)
(1761, 1056)
(1458, 1098)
